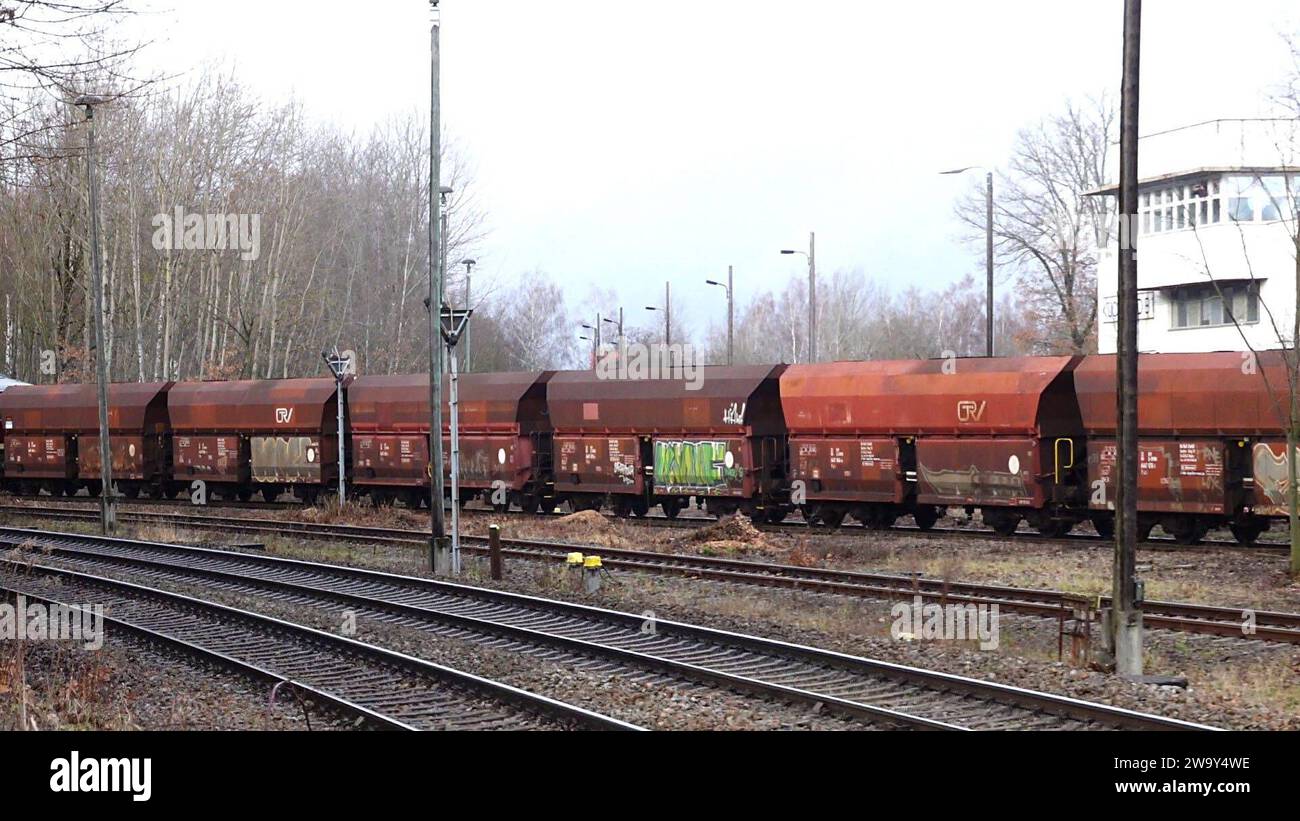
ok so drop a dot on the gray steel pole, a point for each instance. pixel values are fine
(469, 365)
(668, 315)
(343, 493)
(988, 259)
(455, 466)
(107, 503)
(731, 319)
(1126, 615)
(812, 296)
(437, 526)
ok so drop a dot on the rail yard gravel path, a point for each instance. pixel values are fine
(129, 684)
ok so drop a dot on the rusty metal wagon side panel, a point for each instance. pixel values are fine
(1174, 475)
(709, 466)
(500, 414)
(135, 457)
(1269, 471)
(52, 456)
(848, 468)
(210, 458)
(724, 400)
(286, 430)
(1005, 472)
(980, 431)
(137, 421)
(1216, 394)
(598, 464)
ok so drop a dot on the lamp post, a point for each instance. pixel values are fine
(731, 314)
(107, 502)
(594, 339)
(668, 314)
(469, 265)
(988, 250)
(622, 343)
(812, 292)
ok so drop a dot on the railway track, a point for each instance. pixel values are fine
(877, 692)
(691, 521)
(379, 687)
(1260, 625)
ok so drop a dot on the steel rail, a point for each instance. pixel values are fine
(1246, 623)
(527, 610)
(380, 658)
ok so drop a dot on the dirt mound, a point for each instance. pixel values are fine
(589, 527)
(734, 528)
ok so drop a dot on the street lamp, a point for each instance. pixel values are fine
(594, 339)
(469, 264)
(988, 249)
(668, 314)
(622, 343)
(812, 292)
(107, 502)
(731, 314)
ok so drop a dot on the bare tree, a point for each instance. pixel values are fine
(1046, 227)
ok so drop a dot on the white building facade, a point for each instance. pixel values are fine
(1215, 232)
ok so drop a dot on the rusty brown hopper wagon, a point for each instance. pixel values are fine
(639, 442)
(52, 437)
(256, 435)
(881, 439)
(1211, 440)
(504, 437)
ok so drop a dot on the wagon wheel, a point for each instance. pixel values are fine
(412, 497)
(1003, 523)
(1144, 529)
(881, 517)
(270, 493)
(1186, 530)
(1105, 526)
(1055, 528)
(309, 495)
(1248, 532)
(640, 508)
(245, 494)
(774, 515)
(926, 516)
(672, 506)
(831, 517)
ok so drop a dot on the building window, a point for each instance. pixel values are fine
(1203, 306)
(1178, 207)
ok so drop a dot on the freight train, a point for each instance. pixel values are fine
(1029, 439)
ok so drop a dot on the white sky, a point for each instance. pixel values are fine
(623, 143)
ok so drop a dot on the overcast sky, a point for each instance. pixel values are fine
(622, 143)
